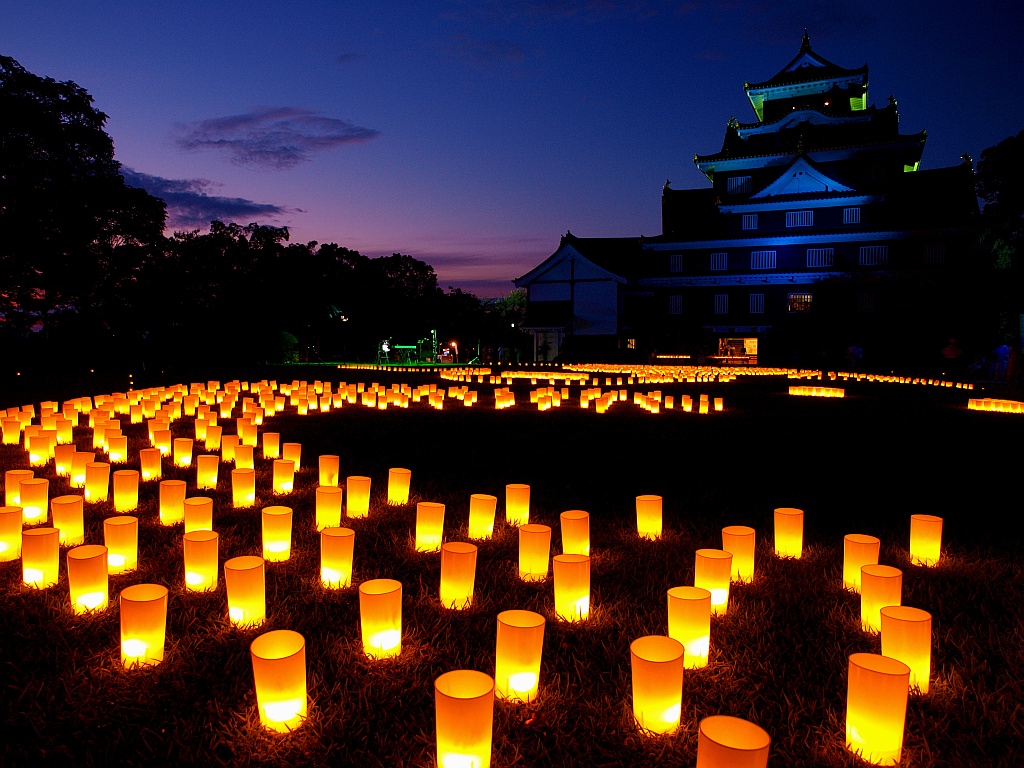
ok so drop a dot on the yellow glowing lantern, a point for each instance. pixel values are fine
(121, 537)
(876, 707)
(517, 504)
(284, 476)
(572, 586)
(35, 500)
(214, 437)
(464, 708)
(713, 572)
(880, 585)
(329, 470)
(277, 534)
(358, 489)
(200, 551)
(726, 742)
(183, 451)
(63, 456)
(38, 449)
(117, 449)
(380, 617)
(143, 624)
(328, 507)
(12, 485)
(162, 441)
(575, 532)
(458, 574)
(481, 515)
(336, 547)
(68, 518)
(398, 486)
(429, 526)
(172, 501)
(789, 532)
(150, 463)
(246, 588)
(97, 481)
(126, 490)
(40, 550)
(689, 622)
(10, 532)
(534, 551)
(87, 578)
(271, 445)
(648, 516)
(657, 667)
(228, 444)
(858, 550)
(738, 540)
(292, 452)
(519, 646)
(243, 488)
(907, 636)
(925, 539)
(197, 513)
(79, 460)
(11, 431)
(279, 672)
(244, 458)
(207, 469)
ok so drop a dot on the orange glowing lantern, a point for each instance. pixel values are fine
(162, 441)
(271, 445)
(572, 586)
(79, 460)
(519, 646)
(172, 501)
(244, 458)
(876, 707)
(534, 551)
(380, 616)
(648, 516)
(464, 708)
(183, 451)
(63, 456)
(228, 444)
(117, 449)
(329, 470)
(657, 666)
(284, 476)
(336, 547)
(328, 507)
(214, 438)
(789, 532)
(458, 574)
(200, 551)
(575, 532)
(713, 572)
(151, 464)
(925, 539)
(87, 578)
(481, 515)
(517, 504)
(198, 514)
(68, 518)
(126, 490)
(246, 587)
(121, 537)
(880, 585)
(738, 540)
(398, 486)
(292, 452)
(40, 549)
(243, 488)
(429, 526)
(358, 489)
(97, 481)
(12, 485)
(143, 624)
(207, 469)
(279, 672)
(689, 622)
(277, 534)
(725, 742)
(35, 500)
(858, 550)
(10, 533)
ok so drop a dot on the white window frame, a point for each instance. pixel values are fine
(737, 185)
(821, 257)
(873, 255)
(719, 261)
(675, 262)
(851, 215)
(721, 303)
(799, 218)
(763, 259)
(749, 221)
(675, 304)
(757, 303)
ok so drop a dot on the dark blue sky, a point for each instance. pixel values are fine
(471, 134)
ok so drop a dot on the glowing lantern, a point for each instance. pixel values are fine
(519, 646)
(292, 452)
(198, 514)
(35, 500)
(12, 485)
(200, 560)
(713, 572)
(657, 666)
(79, 460)
(464, 707)
(880, 585)
(517, 504)
(150, 463)
(87, 578)
(534, 550)
(117, 449)
(162, 441)
(10, 533)
(271, 445)
(279, 671)
(246, 588)
(39, 447)
(143, 624)
(429, 526)
(789, 532)
(121, 537)
(858, 550)
(925, 539)
(907, 636)
(243, 488)
(738, 540)
(648, 516)
(725, 742)
(97, 481)
(63, 456)
(126, 490)
(207, 469)
(481, 515)
(329, 470)
(68, 518)
(358, 489)
(328, 507)
(40, 549)
(572, 586)
(11, 431)
(876, 707)
(336, 546)
(228, 444)
(244, 457)
(398, 486)
(689, 622)
(575, 532)
(277, 534)
(183, 451)
(172, 501)
(458, 574)
(214, 437)
(380, 617)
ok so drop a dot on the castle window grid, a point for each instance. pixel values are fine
(799, 219)
(721, 303)
(820, 257)
(762, 259)
(675, 304)
(749, 221)
(799, 302)
(675, 262)
(720, 261)
(738, 185)
(934, 253)
(757, 303)
(873, 255)
(851, 215)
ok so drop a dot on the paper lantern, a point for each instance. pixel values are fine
(39, 447)
(429, 526)
(648, 516)
(214, 437)
(143, 624)
(292, 452)
(271, 445)
(534, 551)
(279, 672)
(150, 461)
(277, 534)
(68, 518)
(11, 431)
(880, 585)
(183, 451)
(12, 485)
(713, 571)
(121, 537)
(228, 444)
(328, 507)
(789, 532)
(243, 488)
(198, 514)
(117, 449)
(481, 515)
(907, 636)
(284, 476)
(246, 588)
(380, 617)
(172, 501)
(35, 500)
(689, 622)
(162, 441)
(97, 481)
(40, 549)
(357, 487)
(572, 586)
(876, 707)
(464, 708)
(575, 532)
(63, 456)
(126, 490)
(398, 486)
(87, 578)
(738, 540)
(657, 667)
(329, 470)
(200, 550)
(517, 504)
(11, 521)
(925, 539)
(244, 457)
(207, 469)
(336, 547)
(727, 742)
(458, 574)
(519, 646)
(858, 550)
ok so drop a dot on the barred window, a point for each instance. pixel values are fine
(934, 253)
(762, 259)
(820, 257)
(866, 302)
(750, 221)
(675, 304)
(799, 302)
(851, 215)
(721, 303)
(799, 218)
(719, 261)
(738, 184)
(873, 255)
(756, 303)
(675, 262)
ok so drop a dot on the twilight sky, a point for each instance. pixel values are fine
(472, 133)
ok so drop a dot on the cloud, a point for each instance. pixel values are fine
(271, 137)
(483, 53)
(191, 206)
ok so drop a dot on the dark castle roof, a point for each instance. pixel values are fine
(815, 68)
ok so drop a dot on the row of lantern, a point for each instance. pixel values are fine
(818, 391)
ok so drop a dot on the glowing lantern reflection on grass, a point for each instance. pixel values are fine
(519, 645)
(575, 532)
(880, 585)
(87, 578)
(858, 550)
(143, 624)
(738, 540)
(789, 532)
(329, 470)
(150, 461)
(689, 622)
(328, 507)
(246, 590)
(907, 636)
(10, 533)
(572, 586)
(726, 742)
(200, 552)
(481, 515)
(279, 672)
(876, 707)
(277, 534)
(172, 501)
(517, 504)
(464, 708)
(207, 469)
(648, 516)
(40, 551)
(429, 526)
(121, 537)
(357, 488)
(198, 514)
(458, 574)
(925, 539)
(380, 617)
(398, 486)
(657, 671)
(68, 518)
(713, 572)
(336, 547)
(243, 488)
(534, 551)
(284, 476)
(126, 490)
(12, 485)
(35, 500)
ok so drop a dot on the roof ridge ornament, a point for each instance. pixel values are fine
(805, 43)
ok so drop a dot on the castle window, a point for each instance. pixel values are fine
(675, 304)
(866, 302)
(750, 221)
(762, 259)
(630, 343)
(757, 303)
(820, 257)
(721, 303)
(799, 302)
(799, 218)
(873, 255)
(851, 215)
(934, 253)
(719, 261)
(738, 185)
(675, 262)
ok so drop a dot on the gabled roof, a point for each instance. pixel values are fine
(806, 67)
(618, 256)
(801, 178)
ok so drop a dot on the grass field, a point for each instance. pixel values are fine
(778, 658)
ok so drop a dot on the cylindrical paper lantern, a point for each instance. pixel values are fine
(271, 445)
(328, 506)
(713, 572)
(117, 449)
(79, 460)
(657, 666)
(648, 516)
(87, 578)
(12, 484)
(121, 537)
(35, 500)
(150, 462)
(572, 586)
(243, 488)
(68, 518)
(575, 532)
(97, 481)
(126, 490)
(200, 560)
(284, 476)
(789, 532)
(183, 451)
(519, 646)
(336, 546)
(357, 488)
(63, 456)
(880, 585)
(481, 515)
(876, 707)
(464, 707)
(214, 437)
(731, 742)
(329, 470)
(429, 526)
(398, 486)
(458, 574)
(925, 539)
(172, 501)
(277, 534)
(292, 452)
(279, 671)
(380, 617)
(228, 444)
(11, 521)
(517, 504)
(244, 457)
(689, 622)
(40, 550)
(738, 540)
(143, 624)
(198, 514)
(246, 588)
(207, 468)
(858, 550)
(907, 636)
(534, 551)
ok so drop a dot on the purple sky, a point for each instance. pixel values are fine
(472, 133)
